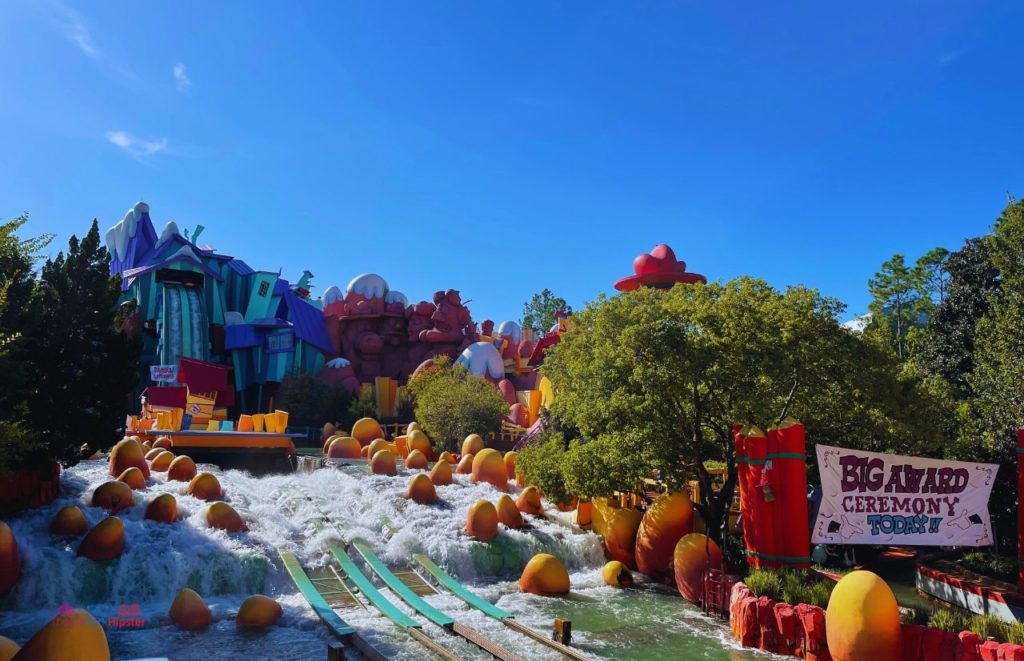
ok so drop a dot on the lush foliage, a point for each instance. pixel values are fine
(309, 402)
(452, 404)
(991, 564)
(66, 368)
(986, 626)
(653, 381)
(789, 586)
(539, 311)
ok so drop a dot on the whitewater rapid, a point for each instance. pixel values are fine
(282, 512)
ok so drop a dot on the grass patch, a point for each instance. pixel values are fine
(789, 586)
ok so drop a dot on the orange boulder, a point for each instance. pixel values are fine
(223, 516)
(465, 466)
(529, 501)
(447, 457)
(258, 611)
(510, 464)
(163, 442)
(163, 509)
(665, 522)
(113, 496)
(482, 521)
(544, 574)
(694, 555)
(441, 473)
(105, 541)
(366, 429)
(205, 486)
(188, 611)
(69, 521)
(417, 440)
(126, 454)
(10, 559)
(182, 469)
(416, 461)
(133, 478)
(473, 444)
(8, 648)
(162, 461)
(508, 513)
(376, 446)
(421, 490)
(151, 455)
(344, 447)
(617, 575)
(488, 466)
(383, 463)
(73, 634)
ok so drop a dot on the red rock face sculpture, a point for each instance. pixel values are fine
(377, 333)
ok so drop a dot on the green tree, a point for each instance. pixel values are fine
(85, 367)
(654, 381)
(895, 291)
(539, 311)
(310, 402)
(451, 404)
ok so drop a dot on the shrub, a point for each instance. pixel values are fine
(451, 404)
(310, 402)
(19, 447)
(541, 465)
(1015, 632)
(950, 619)
(765, 583)
(989, 626)
(790, 586)
(991, 564)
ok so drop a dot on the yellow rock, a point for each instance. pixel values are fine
(862, 620)
(693, 556)
(617, 575)
(465, 466)
(134, 478)
(529, 501)
(488, 466)
(482, 521)
(447, 457)
(383, 463)
(510, 464)
(113, 496)
(421, 490)
(665, 522)
(124, 455)
(411, 427)
(8, 648)
(223, 516)
(441, 473)
(618, 526)
(189, 611)
(162, 461)
(163, 508)
(182, 469)
(508, 513)
(151, 455)
(417, 440)
(163, 442)
(366, 429)
(330, 439)
(378, 445)
(205, 486)
(344, 447)
(416, 461)
(258, 611)
(69, 521)
(546, 575)
(472, 444)
(73, 635)
(10, 559)
(105, 541)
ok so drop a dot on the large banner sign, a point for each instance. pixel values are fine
(872, 498)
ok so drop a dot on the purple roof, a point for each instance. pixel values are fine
(240, 267)
(138, 247)
(281, 287)
(309, 322)
(241, 336)
(131, 274)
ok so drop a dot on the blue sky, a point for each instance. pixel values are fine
(499, 148)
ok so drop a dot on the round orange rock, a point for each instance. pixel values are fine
(344, 447)
(465, 466)
(258, 611)
(441, 473)
(545, 575)
(105, 541)
(163, 509)
(124, 455)
(162, 461)
(664, 523)
(694, 555)
(366, 429)
(421, 490)
(72, 634)
(205, 486)
(163, 442)
(447, 457)
(223, 516)
(189, 611)
(473, 444)
(133, 477)
(8, 648)
(151, 455)
(508, 513)
(182, 469)
(617, 575)
(383, 463)
(529, 501)
(510, 464)
(10, 559)
(862, 620)
(488, 466)
(69, 521)
(417, 440)
(416, 461)
(482, 521)
(113, 496)
(376, 446)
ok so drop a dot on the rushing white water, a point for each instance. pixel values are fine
(282, 512)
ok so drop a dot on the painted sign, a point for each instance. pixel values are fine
(161, 373)
(872, 498)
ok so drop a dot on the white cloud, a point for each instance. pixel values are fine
(181, 77)
(76, 31)
(139, 149)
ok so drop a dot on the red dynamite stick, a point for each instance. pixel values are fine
(773, 499)
(760, 541)
(796, 540)
(746, 495)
